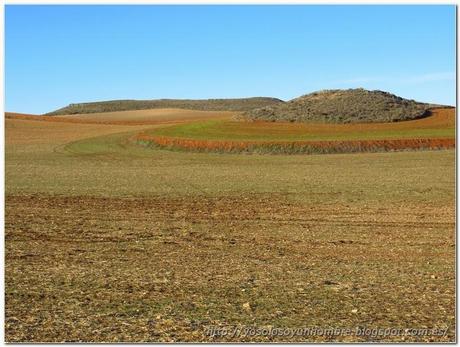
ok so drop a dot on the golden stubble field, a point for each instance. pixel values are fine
(136, 117)
(106, 241)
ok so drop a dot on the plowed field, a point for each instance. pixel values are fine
(108, 241)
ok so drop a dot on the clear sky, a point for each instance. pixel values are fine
(56, 55)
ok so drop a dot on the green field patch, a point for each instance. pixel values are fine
(232, 130)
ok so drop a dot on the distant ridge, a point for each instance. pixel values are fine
(243, 104)
(343, 106)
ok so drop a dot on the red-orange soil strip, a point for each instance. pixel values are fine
(298, 146)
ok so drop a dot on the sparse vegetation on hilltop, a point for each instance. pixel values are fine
(342, 106)
(239, 105)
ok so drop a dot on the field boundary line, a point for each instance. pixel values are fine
(301, 146)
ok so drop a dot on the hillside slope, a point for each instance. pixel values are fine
(136, 117)
(243, 104)
(342, 106)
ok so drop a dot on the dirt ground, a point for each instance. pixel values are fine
(162, 269)
(106, 242)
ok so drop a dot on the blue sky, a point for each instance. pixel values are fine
(56, 55)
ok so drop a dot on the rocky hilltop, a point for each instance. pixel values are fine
(342, 106)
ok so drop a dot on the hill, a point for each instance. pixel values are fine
(342, 106)
(239, 105)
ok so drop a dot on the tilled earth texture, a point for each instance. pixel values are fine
(106, 241)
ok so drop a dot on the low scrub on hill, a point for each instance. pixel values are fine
(342, 106)
(237, 105)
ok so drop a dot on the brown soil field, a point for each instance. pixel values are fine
(20, 131)
(168, 269)
(106, 241)
(19, 115)
(138, 117)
